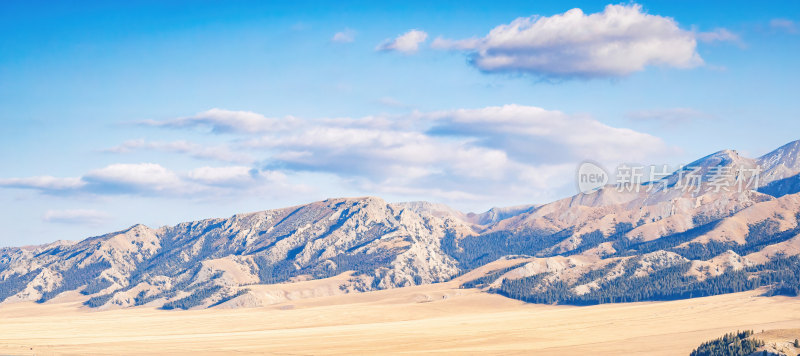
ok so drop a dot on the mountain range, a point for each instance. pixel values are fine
(658, 241)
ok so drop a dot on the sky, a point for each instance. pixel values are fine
(158, 112)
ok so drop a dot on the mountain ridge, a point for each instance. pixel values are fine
(582, 249)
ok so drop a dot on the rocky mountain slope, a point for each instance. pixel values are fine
(207, 261)
(660, 241)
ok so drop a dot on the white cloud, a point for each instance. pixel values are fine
(76, 216)
(207, 152)
(226, 121)
(354, 151)
(784, 25)
(235, 176)
(44, 183)
(345, 36)
(406, 43)
(139, 178)
(488, 154)
(616, 42)
(489, 151)
(536, 135)
(151, 179)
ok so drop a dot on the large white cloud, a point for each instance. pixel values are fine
(489, 151)
(498, 153)
(382, 154)
(618, 41)
(536, 135)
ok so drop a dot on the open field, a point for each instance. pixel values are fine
(434, 318)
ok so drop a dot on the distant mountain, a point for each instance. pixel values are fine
(208, 261)
(661, 241)
(781, 163)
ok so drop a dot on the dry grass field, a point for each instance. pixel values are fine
(424, 319)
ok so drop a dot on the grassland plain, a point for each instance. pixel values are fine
(438, 318)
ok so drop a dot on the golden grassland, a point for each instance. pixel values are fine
(424, 319)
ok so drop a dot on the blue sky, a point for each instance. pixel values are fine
(159, 112)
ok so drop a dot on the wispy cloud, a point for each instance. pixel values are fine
(44, 183)
(76, 216)
(300, 26)
(225, 121)
(151, 179)
(234, 176)
(407, 43)
(391, 102)
(221, 153)
(671, 117)
(718, 35)
(621, 40)
(784, 25)
(345, 36)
